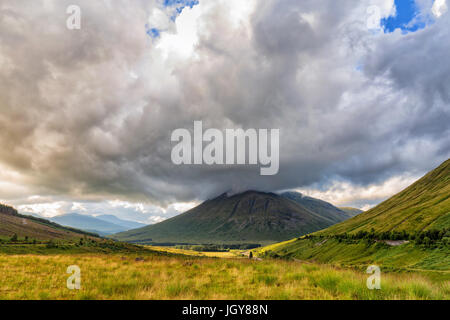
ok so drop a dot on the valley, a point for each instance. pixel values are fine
(252, 245)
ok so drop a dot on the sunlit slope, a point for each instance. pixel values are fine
(361, 253)
(34, 228)
(425, 205)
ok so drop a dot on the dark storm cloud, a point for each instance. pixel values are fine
(89, 113)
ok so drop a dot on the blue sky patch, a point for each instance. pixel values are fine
(153, 32)
(407, 18)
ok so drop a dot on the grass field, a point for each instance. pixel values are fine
(158, 276)
(192, 253)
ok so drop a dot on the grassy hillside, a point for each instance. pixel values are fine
(408, 231)
(250, 217)
(360, 253)
(425, 205)
(11, 222)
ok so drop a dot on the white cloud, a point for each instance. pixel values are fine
(155, 219)
(86, 116)
(180, 43)
(159, 19)
(184, 206)
(364, 197)
(78, 207)
(367, 207)
(47, 210)
(387, 7)
(439, 8)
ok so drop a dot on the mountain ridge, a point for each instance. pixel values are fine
(129, 224)
(325, 209)
(248, 217)
(87, 223)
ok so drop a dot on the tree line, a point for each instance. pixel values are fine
(427, 237)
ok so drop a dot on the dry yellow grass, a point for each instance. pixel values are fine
(158, 277)
(228, 254)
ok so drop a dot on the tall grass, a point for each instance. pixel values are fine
(157, 277)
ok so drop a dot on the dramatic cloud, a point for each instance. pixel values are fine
(342, 193)
(86, 115)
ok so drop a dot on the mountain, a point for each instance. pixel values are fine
(351, 211)
(425, 205)
(325, 209)
(127, 224)
(11, 222)
(249, 217)
(88, 223)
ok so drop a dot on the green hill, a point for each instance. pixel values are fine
(425, 205)
(250, 217)
(362, 253)
(408, 231)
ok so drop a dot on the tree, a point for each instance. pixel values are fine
(250, 256)
(14, 238)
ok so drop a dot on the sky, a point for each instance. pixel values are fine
(407, 17)
(361, 98)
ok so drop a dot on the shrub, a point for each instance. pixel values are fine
(52, 244)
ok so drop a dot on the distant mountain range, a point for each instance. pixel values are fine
(249, 217)
(102, 224)
(127, 224)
